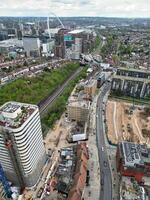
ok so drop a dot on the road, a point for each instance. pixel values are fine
(106, 181)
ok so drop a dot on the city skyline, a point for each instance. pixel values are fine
(123, 8)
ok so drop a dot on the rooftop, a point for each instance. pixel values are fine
(133, 69)
(76, 31)
(91, 83)
(79, 98)
(11, 43)
(134, 154)
(14, 114)
(147, 80)
(71, 172)
(129, 189)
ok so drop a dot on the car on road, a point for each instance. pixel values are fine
(102, 181)
(102, 148)
(39, 194)
(105, 163)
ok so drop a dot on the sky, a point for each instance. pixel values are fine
(106, 8)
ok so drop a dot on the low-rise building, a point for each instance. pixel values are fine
(131, 86)
(8, 45)
(133, 72)
(90, 87)
(71, 173)
(78, 107)
(133, 160)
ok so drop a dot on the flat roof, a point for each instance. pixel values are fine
(76, 31)
(134, 70)
(79, 100)
(9, 108)
(11, 42)
(134, 154)
(91, 83)
(14, 114)
(147, 80)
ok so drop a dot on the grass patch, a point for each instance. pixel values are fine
(33, 90)
(59, 105)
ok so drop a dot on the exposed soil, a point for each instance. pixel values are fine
(126, 123)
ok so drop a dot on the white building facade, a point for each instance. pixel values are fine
(22, 152)
(31, 45)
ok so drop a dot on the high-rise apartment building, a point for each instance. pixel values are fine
(22, 153)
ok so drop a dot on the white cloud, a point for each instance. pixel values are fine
(119, 8)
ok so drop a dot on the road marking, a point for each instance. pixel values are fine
(114, 120)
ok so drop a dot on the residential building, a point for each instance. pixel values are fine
(22, 152)
(133, 72)
(90, 87)
(78, 107)
(133, 160)
(131, 86)
(72, 171)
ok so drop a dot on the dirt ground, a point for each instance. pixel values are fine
(55, 140)
(127, 123)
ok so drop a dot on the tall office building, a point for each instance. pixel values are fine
(22, 153)
(31, 45)
(60, 44)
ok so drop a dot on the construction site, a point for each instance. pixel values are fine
(127, 122)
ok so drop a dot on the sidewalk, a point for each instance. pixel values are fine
(92, 191)
(115, 177)
(111, 151)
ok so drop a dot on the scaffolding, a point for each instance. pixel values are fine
(5, 183)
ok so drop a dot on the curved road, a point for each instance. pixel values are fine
(106, 181)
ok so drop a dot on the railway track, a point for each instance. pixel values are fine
(45, 104)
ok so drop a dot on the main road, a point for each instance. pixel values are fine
(106, 181)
